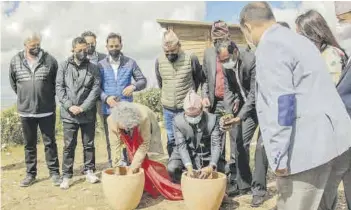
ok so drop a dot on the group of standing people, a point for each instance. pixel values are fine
(279, 82)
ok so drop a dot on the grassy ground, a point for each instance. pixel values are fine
(82, 196)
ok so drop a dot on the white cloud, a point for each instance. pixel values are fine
(60, 22)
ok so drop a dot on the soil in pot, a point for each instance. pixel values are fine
(203, 194)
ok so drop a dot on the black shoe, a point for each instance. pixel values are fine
(257, 201)
(246, 191)
(56, 180)
(232, 190)
(28, 181)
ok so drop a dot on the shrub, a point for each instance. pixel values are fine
(11, 128)
(150, 98)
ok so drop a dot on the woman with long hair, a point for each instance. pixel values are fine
(313, 26)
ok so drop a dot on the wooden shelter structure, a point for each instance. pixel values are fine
(343, 10)
(195, 36)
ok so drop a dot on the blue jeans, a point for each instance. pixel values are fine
(168, 116)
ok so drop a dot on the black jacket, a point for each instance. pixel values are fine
(82, 90)
(35, 91)
(247, 79)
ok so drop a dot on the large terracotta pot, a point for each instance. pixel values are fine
(204, 194)
(122, 191)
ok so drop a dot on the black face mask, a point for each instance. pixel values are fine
(172, 57)
(114, 53)
(81, 56)
(34, 51)
(91, 49)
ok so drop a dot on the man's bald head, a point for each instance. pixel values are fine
(256, 12)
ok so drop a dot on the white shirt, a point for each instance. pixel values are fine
(115, 65)
(236, 70)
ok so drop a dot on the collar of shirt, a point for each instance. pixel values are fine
(274, 26)
(32, 60)
(113, 61)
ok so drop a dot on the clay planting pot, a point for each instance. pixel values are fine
(204, 194)
(123, 192)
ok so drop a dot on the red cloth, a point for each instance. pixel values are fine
(157, 180)
(219, 91)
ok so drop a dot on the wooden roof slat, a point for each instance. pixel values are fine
(163, 22)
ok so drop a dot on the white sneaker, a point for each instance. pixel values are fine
(65, 183)
(91, 177)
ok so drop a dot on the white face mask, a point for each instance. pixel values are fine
(230, 64)
(193, 120)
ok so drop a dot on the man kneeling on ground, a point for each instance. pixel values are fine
(197, 138)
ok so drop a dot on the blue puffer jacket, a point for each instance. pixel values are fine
(111, 87)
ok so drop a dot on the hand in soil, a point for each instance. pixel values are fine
(206, 172)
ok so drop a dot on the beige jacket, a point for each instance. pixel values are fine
(149, 130)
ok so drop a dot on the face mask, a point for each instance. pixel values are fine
(81, 56)
(229, 64)
(34, 51)
(172, 57)
(193, 120)
(114, 53)
(91, 49)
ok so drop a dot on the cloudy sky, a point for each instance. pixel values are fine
(60, 22)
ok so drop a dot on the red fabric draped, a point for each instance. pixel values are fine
(157, 180)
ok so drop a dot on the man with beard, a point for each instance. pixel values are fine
(117, 72)
(78, 88)
(32, 77)
(177, 73)
(92, 55)
(307, 138)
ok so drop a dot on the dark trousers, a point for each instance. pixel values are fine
(30, 132)
(70, 132)
(259, 183)
(124, 155)
(175, 166)
(218, 109)
(240, 151)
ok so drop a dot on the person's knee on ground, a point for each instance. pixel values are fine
(174, 171)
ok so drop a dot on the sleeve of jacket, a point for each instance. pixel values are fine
(205, 93)
(230, 97)
(54, 71)
(145, 132)
(249, 105)
(158, 75)
(215, 144)
(115, 140)
(103, 95)
(140, 80)
(61, 87)
(94, 94)
(181, 145)
(12, 76)
(280, 107)
(197, 71)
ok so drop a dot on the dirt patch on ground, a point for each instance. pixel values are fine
(82, 195)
